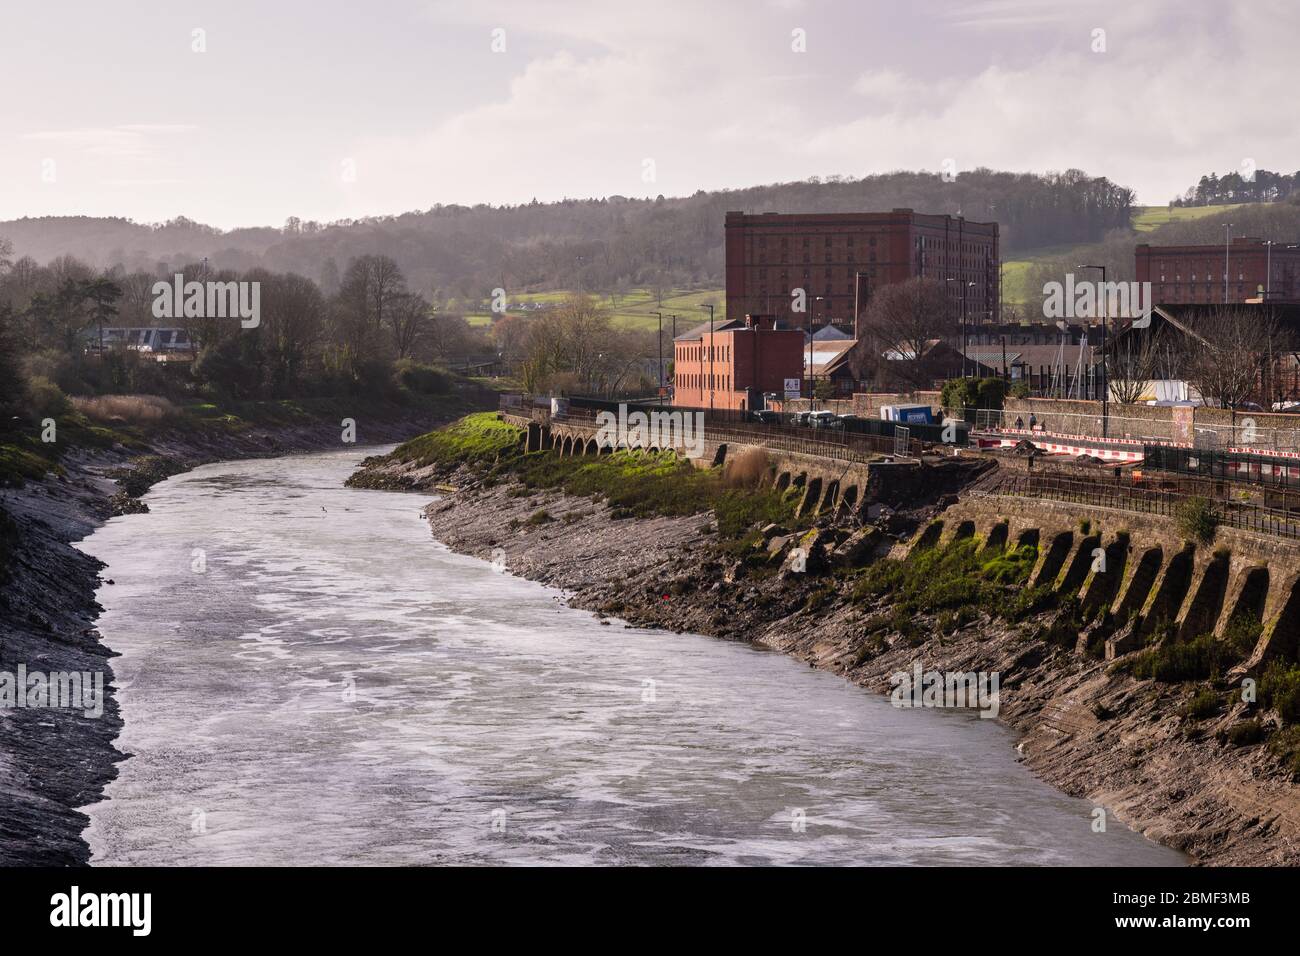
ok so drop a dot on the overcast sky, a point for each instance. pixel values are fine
(326, 109)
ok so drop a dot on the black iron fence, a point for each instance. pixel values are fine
(1245, 515)
(1272, 470)
(796, 424)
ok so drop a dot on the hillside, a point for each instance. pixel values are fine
(604, 245)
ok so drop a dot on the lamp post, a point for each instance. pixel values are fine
(1105, 386)
(660, 317)
(965, 341)
(709, 306)
(1227, 244)
(812, 379)
(963, 330)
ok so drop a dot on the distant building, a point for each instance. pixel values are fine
(840, 259)
(1195, 274)
(163, 343)
(736, 363)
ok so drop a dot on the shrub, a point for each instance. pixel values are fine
(1285, 745)
(1204, 703)
(421, 379)
(1245, 733)
(1279, 688)
(1242, 633)
(1175, 661)
(8, 542)
(45, 399)
(1011, 567)
(747, 469)
(539, 517)
(132, 409)
(1197, 520)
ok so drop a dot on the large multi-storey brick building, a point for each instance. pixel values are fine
(736, 363)
(840, 259)
(1195, 274)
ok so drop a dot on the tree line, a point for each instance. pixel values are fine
(1260, 185)
(597, 245)
(373, 335)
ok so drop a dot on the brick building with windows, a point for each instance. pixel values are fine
(840, 259)
(735, 364)
(1194, 274)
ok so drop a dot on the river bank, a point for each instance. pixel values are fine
(54, 761)
(1133, 747)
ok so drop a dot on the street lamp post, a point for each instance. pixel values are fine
(812, 379)
(1227, 244)
(1268, 271)
(709, 306)
(965, 339)
(660, 317)
(1105, 385)
(963, 329)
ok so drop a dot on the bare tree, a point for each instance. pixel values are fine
(292, 328)
(1131, 360)
(372, 285)
(904, 319)
(575, 347)
(1225, 352)
(408, 318)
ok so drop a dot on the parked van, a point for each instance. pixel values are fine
(907, 414)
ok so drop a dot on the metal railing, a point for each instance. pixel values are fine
(859, 449)
(862, 450)
(1249, 430)
(1119, 428)
(1243, 515)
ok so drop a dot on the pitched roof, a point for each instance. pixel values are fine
(700, 331)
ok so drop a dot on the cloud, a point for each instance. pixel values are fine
(131, 141)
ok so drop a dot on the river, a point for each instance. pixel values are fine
(307, 678)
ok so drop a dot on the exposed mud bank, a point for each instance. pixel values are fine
(54, 761)
(1123, 743)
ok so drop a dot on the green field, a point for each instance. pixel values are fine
(1016, 272)
(634, 309)
(1149, 218)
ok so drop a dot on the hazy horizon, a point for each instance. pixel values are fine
(328, 111)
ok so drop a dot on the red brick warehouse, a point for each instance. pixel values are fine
(1195, 273)
(840, 259)
(736, 364)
